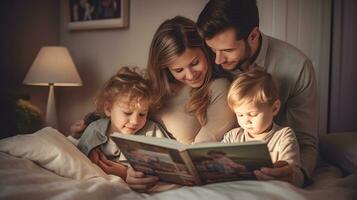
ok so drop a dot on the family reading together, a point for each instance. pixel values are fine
(190, 68)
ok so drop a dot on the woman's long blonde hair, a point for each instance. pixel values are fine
(170, 41)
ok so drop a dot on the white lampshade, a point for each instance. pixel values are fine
(53, 65)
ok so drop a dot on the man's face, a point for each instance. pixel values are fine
(230, 52)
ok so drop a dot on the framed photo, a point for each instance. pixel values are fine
(98, 14)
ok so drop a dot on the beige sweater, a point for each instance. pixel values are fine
(186, 128)
(282, 145)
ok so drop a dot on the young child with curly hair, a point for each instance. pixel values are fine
(123, 103)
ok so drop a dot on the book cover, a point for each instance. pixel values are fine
(194, 164)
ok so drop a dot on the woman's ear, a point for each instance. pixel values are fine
(276, 107)
(107, 109)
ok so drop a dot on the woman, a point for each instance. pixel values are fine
(187, 92)
(190, 100)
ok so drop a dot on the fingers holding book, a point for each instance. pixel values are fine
(281, 171)
(140, 182)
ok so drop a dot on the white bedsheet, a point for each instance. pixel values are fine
(262, 190)
(20, 178)
(45, 165)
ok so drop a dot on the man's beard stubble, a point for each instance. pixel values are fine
(244, 64)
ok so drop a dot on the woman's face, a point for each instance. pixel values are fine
(190, 68)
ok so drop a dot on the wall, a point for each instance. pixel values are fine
(26, 26)
(305, 24)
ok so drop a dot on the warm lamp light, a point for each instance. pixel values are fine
(53, 66)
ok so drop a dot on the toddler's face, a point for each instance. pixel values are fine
(256, 118)
(127, 119)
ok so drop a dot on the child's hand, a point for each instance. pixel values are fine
(281, 171)
(94, 155)
(111, 167)
(139, 182)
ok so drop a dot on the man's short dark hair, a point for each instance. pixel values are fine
(219, 15)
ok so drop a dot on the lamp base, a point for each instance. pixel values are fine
(51, 115)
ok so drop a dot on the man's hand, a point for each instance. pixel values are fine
(281, 171)
(77, 129)
(139, 182)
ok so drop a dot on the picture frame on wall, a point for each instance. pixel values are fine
(98, 14)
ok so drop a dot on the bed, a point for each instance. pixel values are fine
(45, 165)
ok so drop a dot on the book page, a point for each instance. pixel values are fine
(163, 142)
(229, 162)
(166, 163)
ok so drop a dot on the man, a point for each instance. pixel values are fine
(231, 29)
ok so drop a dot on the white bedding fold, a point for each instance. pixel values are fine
(22, 179)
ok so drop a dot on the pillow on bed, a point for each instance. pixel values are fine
(341, 150)
(53, 151)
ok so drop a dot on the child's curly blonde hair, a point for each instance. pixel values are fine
(130, 85)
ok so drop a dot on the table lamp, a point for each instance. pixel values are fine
(53, 66)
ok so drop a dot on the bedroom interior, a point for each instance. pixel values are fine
(323, 29)
(98, 53)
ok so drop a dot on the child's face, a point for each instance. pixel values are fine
(256, 118)
(125, 118)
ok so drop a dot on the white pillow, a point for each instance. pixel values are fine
(53, 151)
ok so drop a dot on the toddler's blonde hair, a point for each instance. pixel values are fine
(253, 86)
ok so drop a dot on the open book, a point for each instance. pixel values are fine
(194, 164)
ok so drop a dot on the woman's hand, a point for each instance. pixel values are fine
(281, 171)
(139, 182)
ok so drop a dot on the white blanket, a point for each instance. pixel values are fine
(61, 172)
